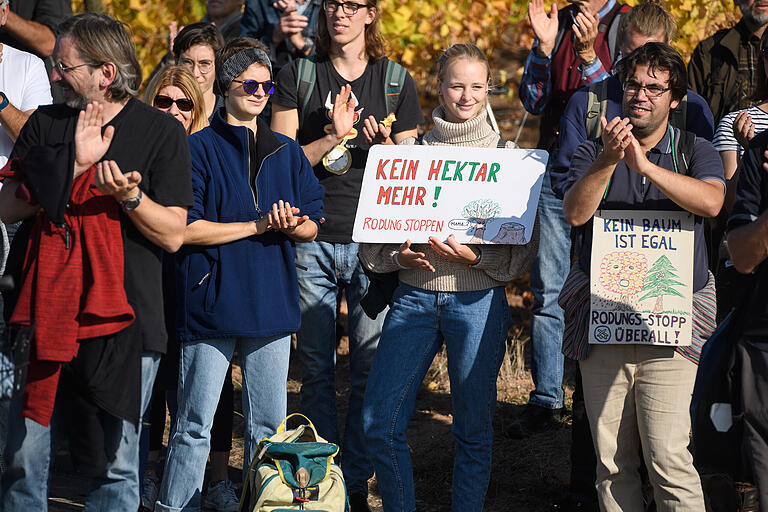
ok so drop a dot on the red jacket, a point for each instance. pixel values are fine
(72, 286)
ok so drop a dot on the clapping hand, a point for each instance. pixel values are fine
(376, 133)
(343, 112)
(90, 144)
(616, 136)
(544, 25)
(743, 129)
(284, 217)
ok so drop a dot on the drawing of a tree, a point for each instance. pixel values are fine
(621, 272)
(480, 212)
(660, 281)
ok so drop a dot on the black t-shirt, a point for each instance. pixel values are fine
(150, 142)
(341, 171)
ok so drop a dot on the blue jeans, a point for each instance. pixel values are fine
(548, 273)
(331, 269)
(30, 448)
(202, 370)
(474, 327)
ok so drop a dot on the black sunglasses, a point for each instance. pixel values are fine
(184, 104)
(251, 86)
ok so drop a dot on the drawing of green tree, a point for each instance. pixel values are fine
(660, 281)
(480, 212)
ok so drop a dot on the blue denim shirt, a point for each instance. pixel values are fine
(260, 18)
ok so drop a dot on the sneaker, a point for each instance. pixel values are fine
(534, 420)
(358, 502)
(149, 490)
(221, 496)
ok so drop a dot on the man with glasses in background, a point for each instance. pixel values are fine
(638, 394)
(195, 48)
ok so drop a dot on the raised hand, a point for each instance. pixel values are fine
(90, 144)
(407, 258)
(343, 112)
(743, 129)
(452, 250)
(617, 134)
(376, 133)
(544, 25)
(585, 28)
(173, 31)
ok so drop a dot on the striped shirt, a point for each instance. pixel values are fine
(725, 140)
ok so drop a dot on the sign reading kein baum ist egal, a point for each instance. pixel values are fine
(641, 277)
(479, 195)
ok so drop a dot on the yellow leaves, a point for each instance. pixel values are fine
(149, 20)
(419, 30)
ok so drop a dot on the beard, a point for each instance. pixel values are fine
(77, 102)
(748, 13)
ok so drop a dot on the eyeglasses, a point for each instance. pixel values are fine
(251, 86)
(165, 102)
(349, 8)
(632, 88)
(61, 68)
(205, 66)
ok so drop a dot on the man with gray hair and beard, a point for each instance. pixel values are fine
(723, 66)
(102, 185)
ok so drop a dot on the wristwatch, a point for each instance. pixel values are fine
(5, 101)
(130, 204)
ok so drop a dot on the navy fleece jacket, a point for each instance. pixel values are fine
(246, 288)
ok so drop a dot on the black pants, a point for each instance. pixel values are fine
(752, 367)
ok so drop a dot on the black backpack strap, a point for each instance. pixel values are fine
(307, 75)
(682, 148)
(394, 79)
(597, 106)
(677, 116)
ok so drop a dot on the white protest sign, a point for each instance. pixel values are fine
(641, 278)
(479, 195)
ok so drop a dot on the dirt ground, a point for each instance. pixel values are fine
(528, 475)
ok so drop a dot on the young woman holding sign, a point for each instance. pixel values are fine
(448, 292)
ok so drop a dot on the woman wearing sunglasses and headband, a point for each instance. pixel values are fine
(255, 198)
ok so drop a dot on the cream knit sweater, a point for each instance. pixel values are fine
(499, 263)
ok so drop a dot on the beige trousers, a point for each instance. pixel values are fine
(639, 396)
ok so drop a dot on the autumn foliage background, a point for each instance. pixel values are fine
(418, 30)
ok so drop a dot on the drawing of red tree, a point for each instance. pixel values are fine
(621, 272)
